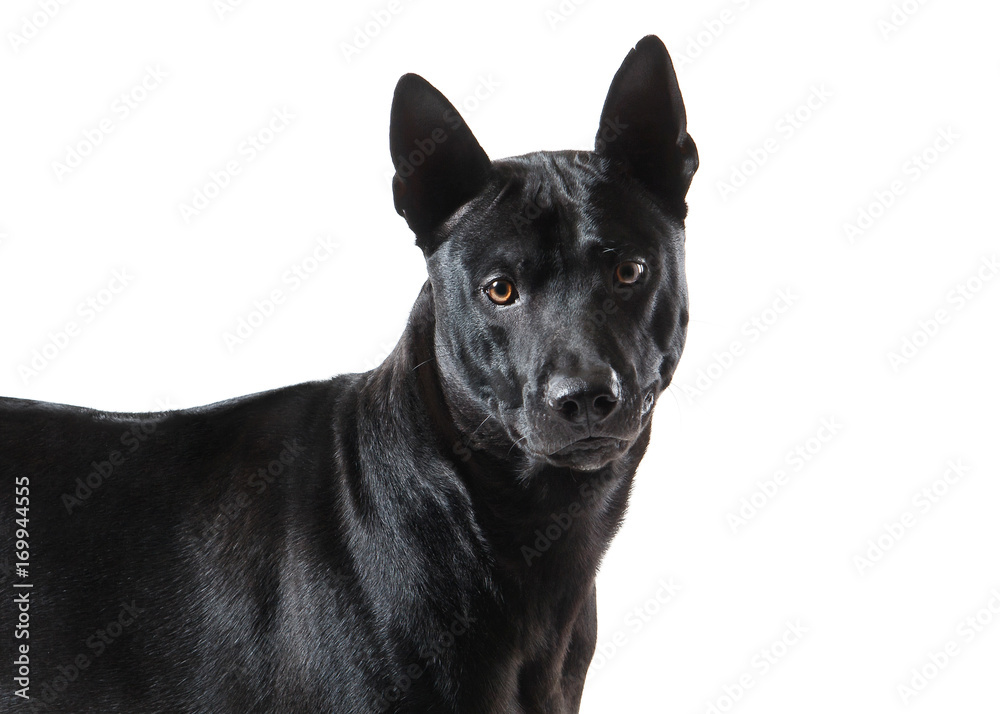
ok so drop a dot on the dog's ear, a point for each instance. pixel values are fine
(439, 164)
(644, 127)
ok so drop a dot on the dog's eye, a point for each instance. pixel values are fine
(629, 272)
(501, 291)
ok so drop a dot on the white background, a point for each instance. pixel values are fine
(892, 82)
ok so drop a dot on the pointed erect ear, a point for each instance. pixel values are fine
(644, 127)
(439, 164)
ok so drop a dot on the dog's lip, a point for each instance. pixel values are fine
(590, 443)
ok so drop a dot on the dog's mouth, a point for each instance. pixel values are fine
(592, 443)
(589, 453)
(579, 446)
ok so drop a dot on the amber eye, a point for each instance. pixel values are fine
(501, 292)
(629, 272)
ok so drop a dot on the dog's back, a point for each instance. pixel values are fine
(154, 539)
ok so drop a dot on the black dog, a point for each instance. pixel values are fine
(423, 537)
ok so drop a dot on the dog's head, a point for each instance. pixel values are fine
(560, 302)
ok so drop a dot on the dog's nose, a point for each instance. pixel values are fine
(584, 398)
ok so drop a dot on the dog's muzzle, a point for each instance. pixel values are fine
(582, 419)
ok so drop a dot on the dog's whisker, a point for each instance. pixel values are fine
(488, 417)
(515, 444)
(672, 393)
(431, 359)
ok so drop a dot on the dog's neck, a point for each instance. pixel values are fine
(529, 545)
(544, 523)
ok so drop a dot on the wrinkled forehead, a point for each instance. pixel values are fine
(570, 204)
